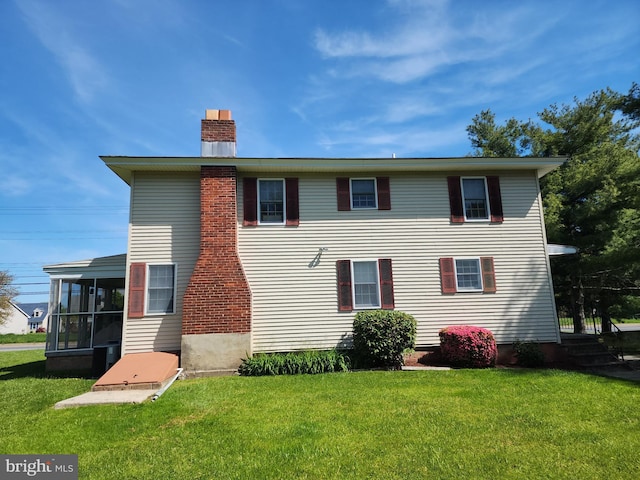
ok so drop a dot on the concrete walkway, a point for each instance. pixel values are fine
(111, 397)
(14, 347)
(631, 374)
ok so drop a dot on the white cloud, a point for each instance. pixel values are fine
(426, 36)
(85, 73)
(63, 163)
(424, 30)
(384, 140)
(13, 185)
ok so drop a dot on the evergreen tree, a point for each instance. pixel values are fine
(592, 201)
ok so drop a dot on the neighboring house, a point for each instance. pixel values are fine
(231, 256)
(25, 318)
(16, 322)
(38, 315)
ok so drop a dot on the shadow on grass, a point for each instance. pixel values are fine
(37, 370)
(622, 374)
(24, 370)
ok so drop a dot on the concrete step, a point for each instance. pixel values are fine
(596, 360)
(586, 351)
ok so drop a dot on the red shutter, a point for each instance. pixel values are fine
(448, 275)
(344, 194)
(293, 209)
(488, 275)
(455, 200)
(250, 201)
(386, 284)
(137, 286)
(384, 193)
(495, 199)
(345, 303)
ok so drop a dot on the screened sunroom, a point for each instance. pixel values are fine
(86, 307)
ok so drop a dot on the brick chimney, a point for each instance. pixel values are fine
(216, 312)
(218, 134)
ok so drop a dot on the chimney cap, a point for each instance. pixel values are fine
(217, 114)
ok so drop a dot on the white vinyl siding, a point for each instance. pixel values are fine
(164, 229)
(294, 286)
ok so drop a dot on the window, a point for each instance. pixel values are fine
(270, 201)
(474, 193)
(475, 199)
(365, 284)
(363, 193)
(160, 290)
(467, 275)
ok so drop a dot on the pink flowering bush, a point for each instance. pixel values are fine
(467, 346)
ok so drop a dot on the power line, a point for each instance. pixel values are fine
(22, 232)
(34, 211)
(92, 208)
(61, 238)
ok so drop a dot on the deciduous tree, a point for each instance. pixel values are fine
(7, 292)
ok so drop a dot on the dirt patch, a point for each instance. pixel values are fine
(429, 358)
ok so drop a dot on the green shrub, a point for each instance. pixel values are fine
(467, 346)
(380, 337)
(294, 363)
(528, 354)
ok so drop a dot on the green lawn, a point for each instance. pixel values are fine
(478, 424)
(23, 338)
(629, 320)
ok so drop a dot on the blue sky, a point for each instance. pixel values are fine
(312, 78)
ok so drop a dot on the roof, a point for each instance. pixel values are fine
(17, 307)
(113, 266)
(29, 308)
(125, 166)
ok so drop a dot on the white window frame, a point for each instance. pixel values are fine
(356, 306)
(148, 287)
(375, 194)
(480, 289)
(486, 199)
(284, 201)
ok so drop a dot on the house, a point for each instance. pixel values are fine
(38, 315)
(229, 256)
(25, 318)
(16, 321)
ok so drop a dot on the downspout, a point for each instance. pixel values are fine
(166, 387)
